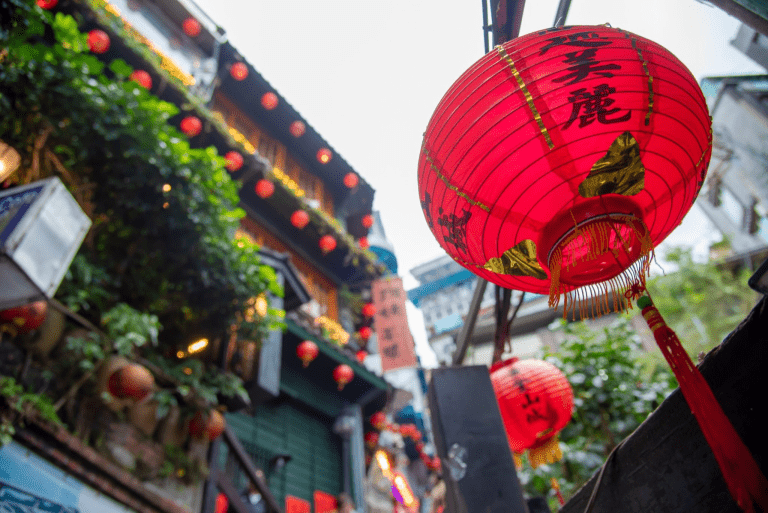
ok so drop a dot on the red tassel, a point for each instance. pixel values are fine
(743, 477)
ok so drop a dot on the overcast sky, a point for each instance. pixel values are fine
(367, 76)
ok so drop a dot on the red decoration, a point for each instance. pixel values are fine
(25, 318)
(264, 188)
(132, 380)
(47, 4)
(363, 243)
(234, 160)
(561, 158)
(222, 503)
(536, 401)
(365, 332)
(239, 71)
(327, 243)
(191, 27)
(210, 425)
(191, 126)
(360, 355)
(367, 221)
(142, 78)
(324, 155)
(369, 310)
(297, 128)
(371, 439)
(269, 101)
(378, 420)
(343, 374)
(307, 351)
(299, 219)
(98, 41)
(351, 180)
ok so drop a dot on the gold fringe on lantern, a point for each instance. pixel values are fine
(548, 452)
(593, 238)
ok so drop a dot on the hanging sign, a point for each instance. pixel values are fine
(391, 322)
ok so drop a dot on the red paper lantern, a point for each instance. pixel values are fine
(369, 310)
(365, 332)
(142, 78)
(210, 425)
(98, 41)
(191, 27)
(324, 155)
(222, 503)
(47, 4)
(327, 243)
(297, 128)
(378, 420)
(363, 243)
(536, 401)
(351, 180)
(360, 355)
(264, 188)
(307, 351)
(371, 439)
(191, 126)
(131, 381)
(234, 160)
(239, 71)
(269, 101)
(299, 219)
(561, 158)
(342, 375)
(367, 221)
(25, 318)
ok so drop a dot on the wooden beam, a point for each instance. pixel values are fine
(255, 475)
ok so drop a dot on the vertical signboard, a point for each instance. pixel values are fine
(391, 323)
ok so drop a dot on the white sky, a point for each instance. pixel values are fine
(367, 76)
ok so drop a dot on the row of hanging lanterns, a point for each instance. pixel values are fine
(407, 431)
(307, 351)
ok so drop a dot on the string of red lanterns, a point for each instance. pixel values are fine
(410, 431)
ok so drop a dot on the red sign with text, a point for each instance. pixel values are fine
(296, 505)
(391, 322)
(325, 502)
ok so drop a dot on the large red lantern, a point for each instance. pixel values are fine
(536, 401)
(327, 243)
(561, 158)
(142, 78)
(234, 160)
(131, 381)
(239, 71)
(307, 351)
(269, 100)
(191, 27)
(297, 128)
(342, 375)
(264, 188)
(98, 41)
(25, 318)
(191, 126)
(299, 219)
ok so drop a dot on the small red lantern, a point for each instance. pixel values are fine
(239, 71)
(536, 401)
(222, 503)
(234, 160)
(269, 101)
(210, 425)
(343, 374)
(351, 180)
(98, 41)
(191, 126)
(47, 4)
(327, 243)
(264, 188)
(142, 78)
(299, 219)
(369, 310)
(307, 351)
(367, 221)
(363, 243)
(360, 355)
(132, 380)
(191, 27)
(25, 318)
(324, 155)
(365, 332)
(371, 439)
(297, 128)
(378, 420)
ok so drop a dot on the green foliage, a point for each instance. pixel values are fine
(612, 396)
(22, 400)
(128, 328)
